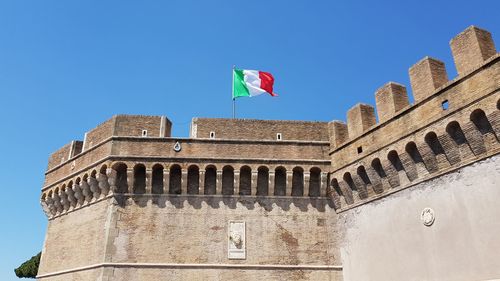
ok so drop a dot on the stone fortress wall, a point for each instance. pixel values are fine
(131, 202)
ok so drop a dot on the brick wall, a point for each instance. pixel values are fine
(60, 156)
(99, 133)
(79, 163)
(74, 240)
(192, 148)
(133, 125)
(189, 230)
(259, 129)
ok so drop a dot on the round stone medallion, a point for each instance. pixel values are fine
(427, 216)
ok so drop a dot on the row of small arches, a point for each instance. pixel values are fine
(83, 190)
(208, 185)
(435, 153)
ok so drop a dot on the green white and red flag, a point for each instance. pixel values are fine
(251, 83)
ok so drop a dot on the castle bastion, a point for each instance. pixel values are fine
(413, 196)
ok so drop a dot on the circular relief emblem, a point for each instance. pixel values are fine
(427, 216)
(177, 147)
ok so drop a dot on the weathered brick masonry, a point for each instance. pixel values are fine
(131, 202)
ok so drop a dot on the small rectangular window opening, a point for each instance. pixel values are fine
(278, 136)
(445, 104)
(212, 135)
(144, 133)
(360, 149)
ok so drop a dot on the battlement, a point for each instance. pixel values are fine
(452, 123)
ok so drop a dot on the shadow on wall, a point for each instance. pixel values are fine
(249, 202)
(162, 182)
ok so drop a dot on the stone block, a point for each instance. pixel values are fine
(359, 118)
(338, 133)
(426, 76)
(390, 99)
(471, 47)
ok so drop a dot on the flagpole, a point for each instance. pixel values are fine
(232, 94)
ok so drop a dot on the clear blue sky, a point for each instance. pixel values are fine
(66, 66)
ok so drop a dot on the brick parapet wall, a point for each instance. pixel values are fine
(231, 151)
(118, 125)
(65, 153)
(100, 133)
(87, 159)
(249, 129)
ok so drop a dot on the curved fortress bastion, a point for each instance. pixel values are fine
(412, 197)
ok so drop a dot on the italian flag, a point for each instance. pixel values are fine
(251, 83)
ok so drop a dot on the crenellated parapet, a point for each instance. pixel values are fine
(451, 124)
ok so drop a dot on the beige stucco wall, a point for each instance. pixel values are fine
(91, 275)
(217, 275)
(386, 239)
